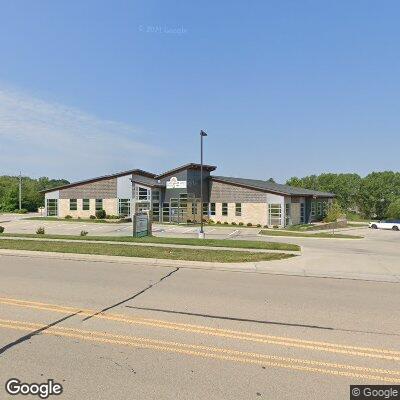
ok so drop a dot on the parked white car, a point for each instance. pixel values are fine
(393, 224)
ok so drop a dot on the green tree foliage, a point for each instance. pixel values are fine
(371, 195)
(334, 212)
(394, 209)
(345, 186)
(31, 196)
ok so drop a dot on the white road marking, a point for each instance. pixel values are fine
(232, 233)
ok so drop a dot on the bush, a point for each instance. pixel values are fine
(334, 212)
(265, 226)
(394, 209)
(21, 211)
(210, 221)
(1, 229)
(84, 233)
(226, 223)
(276, 226)
(101, 214)
(241, 224)
(188, 221)
(249, 224)
(258, 225)
(92, 217)
(112, 216)
(68, 217)
(40, 231)
(219, 222)
(233, 223)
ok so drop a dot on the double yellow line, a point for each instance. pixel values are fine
(213, 352)
(205, 330)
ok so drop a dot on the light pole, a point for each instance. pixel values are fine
(20, 191)
(201, 233)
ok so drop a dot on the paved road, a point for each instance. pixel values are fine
(124, 331)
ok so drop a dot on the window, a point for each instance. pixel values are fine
(155, 196)
(205, 209)
(124, 207)
(165, 212)
(52, 207)
(319, 208)
(302, 213)
(287, 214)
(85, 204)
(275, 214)
(224, 209)
(156, 211)
(142, 194)
(99, 204)
(212, 208)
(194, 208)
(238, 209)
(73, 204)
(174, 203)
(183, 198)
(313, 208)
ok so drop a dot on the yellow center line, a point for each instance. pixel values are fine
(210, 352)
(248, 336)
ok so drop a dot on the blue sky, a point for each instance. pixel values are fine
(283, 88)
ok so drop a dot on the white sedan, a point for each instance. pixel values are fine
(393, 224)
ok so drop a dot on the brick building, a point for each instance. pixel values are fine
(174, 196)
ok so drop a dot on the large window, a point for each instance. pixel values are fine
(124, 207)
(238, 209)
(99, 204)
(52, 207)
(319, 208)
(73, 204)
(302, 213)
(212, 208)
(205, 209)
(165, 212)
(155, 196)
(313, 208)
(85, 204)
(156, 211)
(142, 194)
(225, 209)
(194, 208)
(275, 214)
(287, 214)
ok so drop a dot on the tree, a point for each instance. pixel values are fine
(394, 209)
(334, 212)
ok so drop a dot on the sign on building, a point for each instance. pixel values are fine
(173, 183)
(141, 225)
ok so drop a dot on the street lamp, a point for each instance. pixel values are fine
(201, 233)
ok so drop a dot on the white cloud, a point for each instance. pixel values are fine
(44, 138)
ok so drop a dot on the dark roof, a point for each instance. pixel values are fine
(101, 178)
(268, 186)
(187, 166)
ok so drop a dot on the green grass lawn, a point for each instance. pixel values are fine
(309, 235)
(239, 244)
(352, 216)
(221, 256)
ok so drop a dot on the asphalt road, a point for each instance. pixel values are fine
(124, 331)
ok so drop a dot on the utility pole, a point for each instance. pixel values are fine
(201, 233)
(20, 191)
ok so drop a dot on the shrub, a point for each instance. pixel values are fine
(233, 223)
(258, 225)
(112, 217)
(210, 221)
(204, 220)
(394, 209)
(241, 224)
(84, 233)
(1, 229)
(219, 222)
(92, 217)
(21, 211)
(276, 226)
(249, 224)
(40, 231)
(226, 223)
(101, 214)
(265, 226)
(188, 221)
(334, 212)
(68, 217)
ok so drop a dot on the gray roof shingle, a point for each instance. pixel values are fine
(269, 186)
